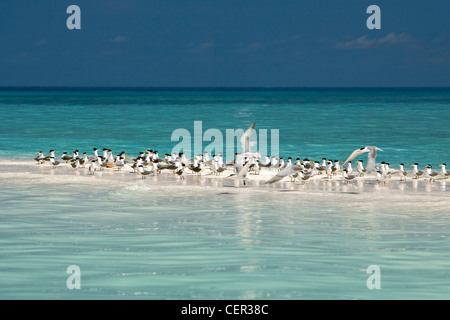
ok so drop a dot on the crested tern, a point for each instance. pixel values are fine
(216, 169)
(52, 155)
(136, 164)
(54, 162)
(93, 167)
(348, 177)
(403, 174)
(155, 167)
(360, 168)
(95, 153)
(40, 158)
(349, 168)
(372, 150)
(119, 163)
(102, 165)
(416, 172)
(321, 168)
(336, 167)
(281, 164)
(381, 178)
(180, 172)
(143, 172)
(75, 155)
(109, 157)
(430, 174)
(65, 157)
(444, 172)
(329, 169)
(105, 154)
(307, 164)
(197, 168)
(273, 163)
(75, 164)
(288, 162)
(265, 163)
(84, 160)
(303, 176)
(255, 168)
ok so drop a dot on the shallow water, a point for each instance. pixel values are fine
(155, 240)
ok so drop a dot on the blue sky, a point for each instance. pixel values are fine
(231, 43)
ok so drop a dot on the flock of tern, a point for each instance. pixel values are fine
(150, 162)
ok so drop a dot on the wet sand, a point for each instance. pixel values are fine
(30, 172)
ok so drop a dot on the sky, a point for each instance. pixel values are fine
(229, 43)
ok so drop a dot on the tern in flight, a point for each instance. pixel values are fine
(371, 157)
(241, 167)
(241, 172)
(286, 172)
(247, 145)
(245, 139)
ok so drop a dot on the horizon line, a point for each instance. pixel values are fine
(211, 88)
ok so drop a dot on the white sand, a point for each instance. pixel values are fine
(20, 171)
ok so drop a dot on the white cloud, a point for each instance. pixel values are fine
(393, 38)
(365, 43)
(119, 39)
(360, 43)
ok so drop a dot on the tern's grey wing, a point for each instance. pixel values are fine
(238, 163)
(163, 166)
(354, 154)
(238, 168)
(371, 160)
(289, 170)
(374, 148)
(243, 171)
(245, 138)
(391, 172)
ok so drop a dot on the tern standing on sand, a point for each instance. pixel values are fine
(93, 167)
(416, 172)
(444, 171)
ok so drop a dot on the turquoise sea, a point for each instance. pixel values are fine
(410, 125)
(141, 242)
